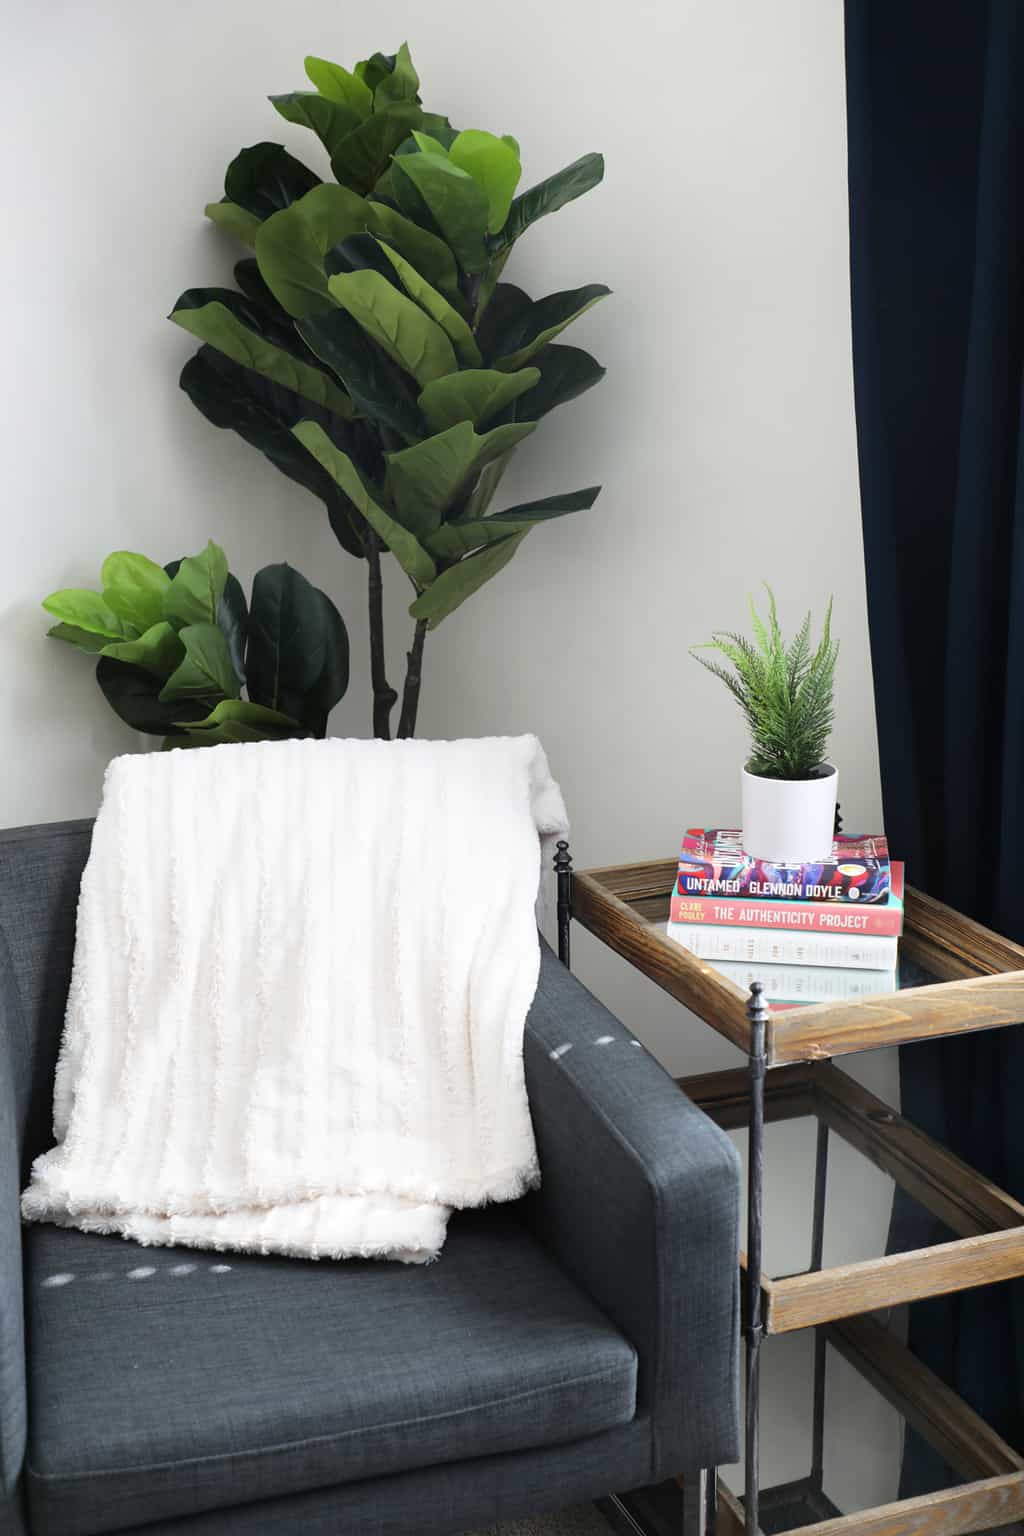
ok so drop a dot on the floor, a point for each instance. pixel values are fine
(581, 1520)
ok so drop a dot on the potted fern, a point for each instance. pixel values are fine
(786, 695)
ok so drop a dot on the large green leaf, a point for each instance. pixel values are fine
(488, 283)
(427, 252)
(436, 306)
(255, 307)
(378, 387)
(233, 622)
(453, 540)
(134, 588)
(332, 683)
(396, 323)
(406, 548)
(263, 416)
(364, 155)
(331, 121)
(457, 206)
(494, 165)
(549, 506)
(265, 178)
(337, 84)
(291, 246)
(134, 694)
(546, 319)
(214, 323)
(83, 639)
(424, 479)
(196, 588)
(375, 69)
(428, 144)
(484, 488)
(160, 650)
(239, 720)
(548, 196)
(247, 276)
(206, 671)
(81, 608)
(234, 221)
(428, 478)
(361, 253)
(504, 316)
(287, 639)
(401, 83)
(460, 581)
(473, 395)
(565, 372)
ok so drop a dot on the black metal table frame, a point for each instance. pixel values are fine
(753, 1326)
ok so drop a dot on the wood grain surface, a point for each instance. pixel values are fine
(971, 1507)
(626, 905)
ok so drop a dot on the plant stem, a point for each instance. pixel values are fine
(384, 696)
(413, 678)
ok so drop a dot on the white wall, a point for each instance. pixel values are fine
(723, 435)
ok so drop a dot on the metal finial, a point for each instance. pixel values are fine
(757, 1009)
(563, 871)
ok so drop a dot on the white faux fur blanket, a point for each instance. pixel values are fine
(301, 974)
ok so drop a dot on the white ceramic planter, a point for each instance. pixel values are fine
(789, 821)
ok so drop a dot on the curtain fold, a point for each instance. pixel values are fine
(935, 96)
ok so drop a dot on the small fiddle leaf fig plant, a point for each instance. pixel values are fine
(785, 692)
(370, 349)
(176, 645)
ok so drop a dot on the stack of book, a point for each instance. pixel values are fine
(809, 932)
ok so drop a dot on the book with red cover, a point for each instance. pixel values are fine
(712, 863)
(872, 920)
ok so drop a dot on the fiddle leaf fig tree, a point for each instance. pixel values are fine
(371, 350)
(175, 646)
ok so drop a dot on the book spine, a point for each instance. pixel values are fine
(757, 885)
(726, 845)
(712, 942)
(808, 983)
(795, 917)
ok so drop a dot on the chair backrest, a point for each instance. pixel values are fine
(40, 872)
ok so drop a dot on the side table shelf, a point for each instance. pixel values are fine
(954, 977)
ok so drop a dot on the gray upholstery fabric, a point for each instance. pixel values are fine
(40, 869)
(443, 1500)
(640, 1204)
(639, 1211)
(169, 1393)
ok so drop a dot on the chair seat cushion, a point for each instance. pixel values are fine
(167, 1381)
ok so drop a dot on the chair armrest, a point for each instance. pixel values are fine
(13, 1410)
(640, 1203)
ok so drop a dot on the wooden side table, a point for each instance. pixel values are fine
(954, 977)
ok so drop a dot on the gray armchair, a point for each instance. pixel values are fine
(581, 1340)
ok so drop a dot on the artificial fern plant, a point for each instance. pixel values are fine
(372, 352)
(785, 692)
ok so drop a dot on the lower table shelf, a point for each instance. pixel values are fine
(985, 1225)
(986, 1474)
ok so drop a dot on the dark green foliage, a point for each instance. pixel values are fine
(372, 310)
(785, 693)
(177, 644)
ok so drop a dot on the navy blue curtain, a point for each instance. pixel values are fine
(935, 92)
